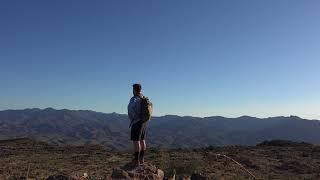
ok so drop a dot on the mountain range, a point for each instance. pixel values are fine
(111, 129)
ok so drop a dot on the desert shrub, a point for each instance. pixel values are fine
(296, 167)
(184, 167)
(247, 162)
(283, 143)
(210, 148)
(163, 160)
(154, 150)
(180, 164)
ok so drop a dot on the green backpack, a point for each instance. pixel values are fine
(146, 109)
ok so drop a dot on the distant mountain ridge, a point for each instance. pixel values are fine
(111, 129)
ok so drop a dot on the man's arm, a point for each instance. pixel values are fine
(133, 110)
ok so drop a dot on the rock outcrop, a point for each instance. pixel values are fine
(145, 172)
(59, 177)
(66, 177)
(195, 176)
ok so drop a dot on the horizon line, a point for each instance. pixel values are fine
(57, 109)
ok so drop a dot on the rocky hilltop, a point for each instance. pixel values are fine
(21, 158)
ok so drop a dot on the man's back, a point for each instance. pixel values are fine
(134, 109)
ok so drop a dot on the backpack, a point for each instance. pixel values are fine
(146, 109)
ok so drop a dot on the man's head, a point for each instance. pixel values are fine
(136, 89)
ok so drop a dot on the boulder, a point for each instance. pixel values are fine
(59, 177)
(130, 172)
(198, 177)
(194, 176)
(17, 178)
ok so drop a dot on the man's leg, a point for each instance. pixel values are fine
(143, 146)
(136, 147)
(142, 150)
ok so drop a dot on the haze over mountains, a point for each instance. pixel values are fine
(111, 130)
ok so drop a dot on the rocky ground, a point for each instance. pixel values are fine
(270, 160)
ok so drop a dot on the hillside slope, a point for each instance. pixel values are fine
(111, 130)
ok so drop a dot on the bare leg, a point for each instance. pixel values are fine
(143, 148)
(136, 146)
(143, 145)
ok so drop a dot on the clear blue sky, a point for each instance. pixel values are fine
(200, 58)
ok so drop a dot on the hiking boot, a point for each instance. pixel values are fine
(141, 161)
(141, 157)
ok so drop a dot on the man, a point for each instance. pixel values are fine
(138, 128)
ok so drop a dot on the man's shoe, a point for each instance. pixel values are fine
(141, 162)
(141, 157)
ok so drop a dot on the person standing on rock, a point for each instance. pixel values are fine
(139, 112)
